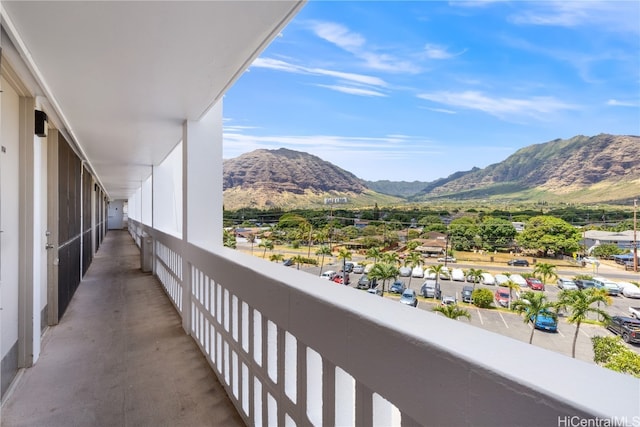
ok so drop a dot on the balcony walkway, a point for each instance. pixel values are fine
(119, 357)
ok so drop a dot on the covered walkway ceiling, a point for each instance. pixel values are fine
(124, 75)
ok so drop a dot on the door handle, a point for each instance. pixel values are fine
(49, 246)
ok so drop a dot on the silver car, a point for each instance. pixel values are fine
(567, 284)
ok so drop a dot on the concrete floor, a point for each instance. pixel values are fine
(119, 357)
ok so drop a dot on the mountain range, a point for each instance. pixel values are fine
(598, 169)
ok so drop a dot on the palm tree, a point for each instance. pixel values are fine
(513, 286)
(383, 272)
(391, 258)
(323, 250)
(452, 311)
(413, 260)
(251, 238)
(374, 253)
(546, 271)
(276, 257)
(229, 239)
(266, 244)
(344, 255)
(437, 269)
(298, 259)
(476, 275)
(531, 304)
(579, 302)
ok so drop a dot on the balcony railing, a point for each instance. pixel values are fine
(294, 350)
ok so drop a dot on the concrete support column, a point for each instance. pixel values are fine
(202, 170)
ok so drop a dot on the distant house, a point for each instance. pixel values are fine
(622, 239)
(519, 226)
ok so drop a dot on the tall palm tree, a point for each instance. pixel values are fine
(531, 304)
(452, 311)
(323, 250)
(579, 303)
(344, 255)
(413, 260)
(476, 275)
(513, 286)
(251, 238)
(266, 244)
(391, 258)
(374, 253)
(383, 272)
(546, 271)
(437, 269)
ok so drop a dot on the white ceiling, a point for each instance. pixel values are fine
(125, 75)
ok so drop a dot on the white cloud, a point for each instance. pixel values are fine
(617, 103)
(434, 51)
(353, 90)
(504, 108)
(356, 44)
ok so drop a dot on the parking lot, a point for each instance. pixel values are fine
(512, 325)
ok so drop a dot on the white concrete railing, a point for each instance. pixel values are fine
(295, 350)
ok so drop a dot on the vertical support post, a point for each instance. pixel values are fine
(53, 220)
(635, 231)
(186, 269)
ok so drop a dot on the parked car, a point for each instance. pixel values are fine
(417, 272)
(397, 287)
(546, 320)
(610, 286)
(375, 291)
(518, 262)
(340, 280)
(488, 279)
(409, 297)
(445, 273)
(467, 292)
(567, 284)
(583, 284)
(518, 280)
(329, 275)
(502, 297)
(629, 290)
(429, 274)
(405, 271)
(590, 260)
(535, 284)
(348, 267)
(431, 289)
(457, 275)
(358, 269)
(449, 300)
(365, 283)
(501, 279)
(447, 259)
(635, 312)
(288, 262)
(627, 327)
(367, 268)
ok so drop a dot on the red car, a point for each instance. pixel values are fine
(502, 297)
(535, 284)
(338, 279)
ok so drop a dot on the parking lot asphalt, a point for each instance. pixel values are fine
(511, 324)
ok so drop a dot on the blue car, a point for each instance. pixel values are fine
(547, 321)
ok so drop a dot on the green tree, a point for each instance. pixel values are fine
(391, 258)
(497, 233)
(579, 303)
(606, 251)
(475, 274)
(384, 272)
(530, 305)
(229, 239)
(323, 250)
(463, 232)
(437, 270)
(374, 253)
(482, 298)
(298, 259)
(452, 311)
(513, 286)
(432, 223)
(344, 255)
(276, 257)
(413, 260)
(545, 271)
(267, 245)
(549, 234)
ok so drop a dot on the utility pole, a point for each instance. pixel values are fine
(635, 231)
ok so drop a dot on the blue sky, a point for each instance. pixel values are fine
(419, 90)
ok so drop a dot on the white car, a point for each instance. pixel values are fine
(629, 290)
(518, 280)
(430, 274)
(488, 279)
(501, 279)
(405, 271)
(457, 275)
(417, 272)
(329, 275)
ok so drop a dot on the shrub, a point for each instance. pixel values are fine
(482, 298)
(611, 353)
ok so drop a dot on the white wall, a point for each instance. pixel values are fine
(9, 217)
(167, 193)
